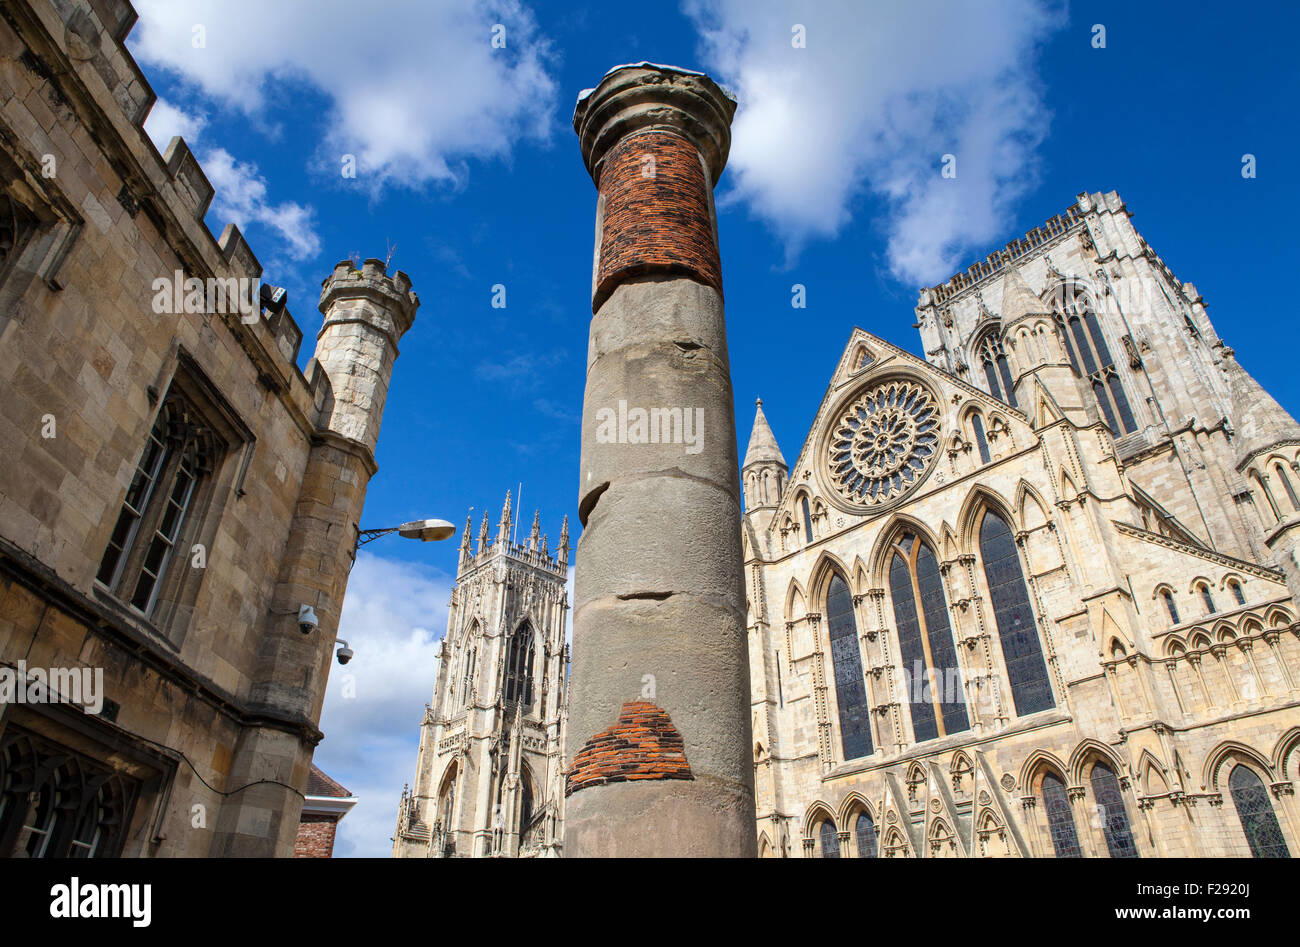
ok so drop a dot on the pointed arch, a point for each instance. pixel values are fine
(1285, 752)
(1232, 750)
(1154, 774)
(925, 636)
(1275, 616)
(1087, 752)
(796, 601)
(978, 499)
(765, 846)
(986, 523)
(826, 565)
(853, 800)
(1255, 810)
(881, 549)
(520, 650)
(895, 843)
(1031, 508)
(1037, 763)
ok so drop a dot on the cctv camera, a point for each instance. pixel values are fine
(345, 655)
(307, 620)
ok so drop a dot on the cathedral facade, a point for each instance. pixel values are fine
(1034, 594)
(489, 780)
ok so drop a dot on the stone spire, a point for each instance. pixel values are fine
(1018, 299)
(465, 552)
(563, 551)
(762, 442)
(503, 530)
(483, 535)
(764, 473)
(535, 536)
(1259, 422)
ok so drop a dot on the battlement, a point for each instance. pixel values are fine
(77, 58)
(1051, 231)
(538, 558)
(392, 294)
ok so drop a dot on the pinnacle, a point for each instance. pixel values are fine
(762, 442)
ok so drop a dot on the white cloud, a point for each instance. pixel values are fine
(241, 197)
(873, 103)
(394, 615)
(166, 121)
(413, 89)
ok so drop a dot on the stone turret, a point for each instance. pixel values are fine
(1267, 440)
(366, 313)
(1039, 360)
(764, 471)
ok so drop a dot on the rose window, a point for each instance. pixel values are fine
(883, 442)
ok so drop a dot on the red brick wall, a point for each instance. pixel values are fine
(656, 216)
(315, 837)
(642, 744)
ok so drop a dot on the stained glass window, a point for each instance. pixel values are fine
(1110, 809)
(865, 830)
(1060, 820)
(1091, 358)
(830, 841)
(996, 370)
(807, 520)
(846, 659)
(1237, 593)
(981, 441)
(1031, 691)
(1256, 813)
(930, 668)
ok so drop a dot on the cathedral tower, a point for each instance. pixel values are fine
(488, 778)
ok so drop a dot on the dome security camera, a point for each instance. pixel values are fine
(344, 654)
(307, 620)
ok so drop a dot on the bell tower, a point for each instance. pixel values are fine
(488, 778)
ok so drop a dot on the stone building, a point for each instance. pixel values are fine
(1034, 594)
(488, 777)
(174, 490)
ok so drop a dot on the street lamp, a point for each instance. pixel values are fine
(424, 530)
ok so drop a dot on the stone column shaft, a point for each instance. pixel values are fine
(659, 716)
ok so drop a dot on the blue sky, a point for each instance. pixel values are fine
(469, 168)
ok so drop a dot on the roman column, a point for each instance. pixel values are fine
(659, 697)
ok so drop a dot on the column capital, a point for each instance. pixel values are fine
(645, 95)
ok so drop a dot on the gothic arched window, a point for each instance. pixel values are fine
(519, 666)
(1060, 819)
(865, 830)
(468, 678)
(1282, 475)
(925, 639)
(1206, 598)
(1022, 649)
(807, 519)
(1250, 799)
(1091, 357)
(846, 659)
(1114, 817)
(1237, 593)
(830, 841)
(997, 373)
(981, 441)
(1169, 604)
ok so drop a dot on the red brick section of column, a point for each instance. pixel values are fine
(659, 697)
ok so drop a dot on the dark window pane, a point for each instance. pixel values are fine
(1060, 820)
(1110, 809)
(1256, 813)
(830, 841)
(1099, 392)
(1031, 690)
(1238, 594)
(947, 672)
(1005, 371)
(991, 375)
(981, 441)
(1169, 603)
(1121, 402)
(913, 652)
(865, 830)
(807, 521)
(846, 659)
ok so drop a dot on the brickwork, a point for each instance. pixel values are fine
(643, 744)
(315, 837)
(656, 213)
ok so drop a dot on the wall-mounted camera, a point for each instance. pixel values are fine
(344, 654)
(307, 620)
